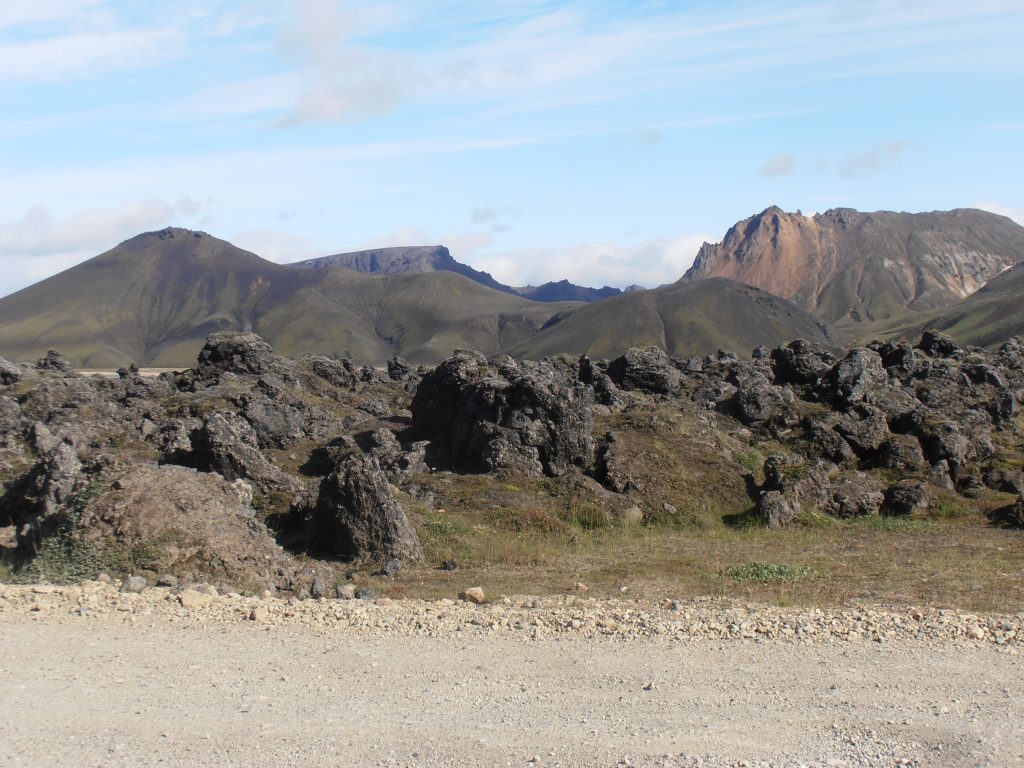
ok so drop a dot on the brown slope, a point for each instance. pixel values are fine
(153, 300)
(844, 265)
(682, 319)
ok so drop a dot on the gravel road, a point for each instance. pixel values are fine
(96, 677)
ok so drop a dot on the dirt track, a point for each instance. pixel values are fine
(110, 692)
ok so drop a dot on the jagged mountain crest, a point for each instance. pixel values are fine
(844, 265)
(417, 259)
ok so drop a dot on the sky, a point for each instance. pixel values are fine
(601, 142)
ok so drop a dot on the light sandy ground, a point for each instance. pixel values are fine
(140, 690)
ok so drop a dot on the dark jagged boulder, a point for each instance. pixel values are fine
(339, 373)
(801, 485)
(227, 445)
(851, 379)
(10, 417)
(10, 373)
(823, 441)
(799, 363)
(400, 370)
(1011, 354)
(935, 344)
(595, 375)
(854, 496)
(523, 417)
(865, 428)
(898, 356)
(359, 517)
(40, 500)
(944, 441)
(1005, 479)
(1016, 512)
(276, 424)
(610, 468)
(55, 361)
(647, 369)
(235, 353)
(905, 498)
(774, 510)
(757, 402)
(901, 452)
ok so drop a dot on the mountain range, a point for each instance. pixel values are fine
(421, 259)
(776, 276)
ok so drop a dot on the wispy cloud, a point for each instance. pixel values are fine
(872, 159)
(1013, 212)
(649, 263)
(39, 243)
(779, 165)
(39, 232)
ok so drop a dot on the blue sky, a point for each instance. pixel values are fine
(599, 141)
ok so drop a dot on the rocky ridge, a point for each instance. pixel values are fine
(849, 265)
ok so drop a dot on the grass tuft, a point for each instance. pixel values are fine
(767, 573)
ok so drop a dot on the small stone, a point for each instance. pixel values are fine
(167, 580)
(103, 578)
(134, 584)
(579, 586)
(367, 593)
(472, 595)
(345, 591)
(391, 567)
(193, 598)
(43, 589)
(317, 589)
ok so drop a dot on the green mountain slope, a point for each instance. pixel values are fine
(153, 300)
(684, 320)
(987, 318)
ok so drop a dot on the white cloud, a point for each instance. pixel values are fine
(17, 13)
(1012, 212)
(873, 159)
(779, 165)
(39, 244)
(39, 233)
(277, 245)
(651, 263)
(75, 40)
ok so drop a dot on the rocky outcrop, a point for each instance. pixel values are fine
(906, 498)
(40, 500)
(235, 353)
(358, 516)
(790, 487)
(523, 417)
(227, 445)
(192, 524)
(647, 369)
